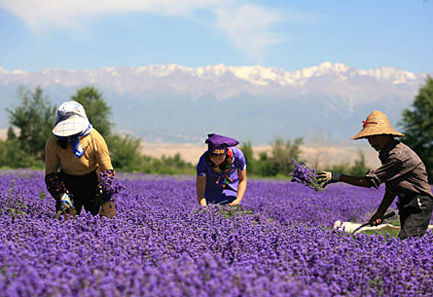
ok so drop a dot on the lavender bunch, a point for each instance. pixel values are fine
(306, 176)
(108, 185)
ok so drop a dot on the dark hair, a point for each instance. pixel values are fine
(227, 163)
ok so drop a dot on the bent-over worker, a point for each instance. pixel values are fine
(403, 173)
(221, 172)
(77, 164)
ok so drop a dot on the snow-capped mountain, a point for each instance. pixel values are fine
(172, 102)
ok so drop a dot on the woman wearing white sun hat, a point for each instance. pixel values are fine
(402, 171)
(77, 164)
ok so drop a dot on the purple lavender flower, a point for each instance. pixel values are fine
(306, 176)
(158, 244)
(108, 185)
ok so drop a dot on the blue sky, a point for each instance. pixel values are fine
(289, 35)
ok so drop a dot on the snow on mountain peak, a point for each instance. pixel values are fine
(393, 74)
(257, 74)
(323, 69)
(263, 76)
(217, 70)
(4, 71)
(162, 70)
(19, 72)
(325, 65)
(125, 79)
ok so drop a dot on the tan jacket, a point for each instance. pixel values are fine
(96, 156)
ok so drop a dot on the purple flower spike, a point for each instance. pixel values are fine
(306, 176)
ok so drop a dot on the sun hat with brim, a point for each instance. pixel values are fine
(218, 144)
(71, 119)
(377, 123)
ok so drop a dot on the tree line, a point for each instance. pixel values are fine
(34, 119)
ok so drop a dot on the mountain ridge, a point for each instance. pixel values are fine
(173, 102)
(253, 74)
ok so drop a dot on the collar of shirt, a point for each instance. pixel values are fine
(383, 154)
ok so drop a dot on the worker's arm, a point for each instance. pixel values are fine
(333, 177)
(53, 179)
(388, 198)
(242, 186)
(359, 181)
(201, 187)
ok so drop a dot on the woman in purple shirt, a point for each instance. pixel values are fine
(221, 172)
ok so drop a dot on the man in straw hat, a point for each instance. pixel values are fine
(77, 164)
(403, 173)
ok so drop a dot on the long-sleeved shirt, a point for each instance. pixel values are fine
(96, 155)
(221, 185)
(402, 171)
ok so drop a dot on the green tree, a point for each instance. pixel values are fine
(11, 134)
(175, 165)
(282, 153)
(35, 119)
(359, 168)
(417, 125)
(126, 156)
(13, 156)
(247, 149)
(125, 150)
(279, 160)
(125, 153)
(96, 108)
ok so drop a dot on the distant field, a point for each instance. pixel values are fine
(316, 154)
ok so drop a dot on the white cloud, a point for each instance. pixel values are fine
(68, 13)
(247, 26)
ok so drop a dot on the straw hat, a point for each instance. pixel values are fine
(377, 123)
(71, 119)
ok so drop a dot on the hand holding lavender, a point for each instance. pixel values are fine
(108, 185)
(306, 176)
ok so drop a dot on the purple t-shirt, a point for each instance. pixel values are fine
(221, 186)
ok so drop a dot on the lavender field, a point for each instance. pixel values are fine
(279, 243)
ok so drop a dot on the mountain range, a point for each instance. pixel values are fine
(177, 104)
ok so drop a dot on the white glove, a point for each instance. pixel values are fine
(66, 202)
(328, 176)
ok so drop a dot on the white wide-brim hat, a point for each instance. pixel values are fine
(71, 119)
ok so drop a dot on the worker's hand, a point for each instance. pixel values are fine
(66, 202)
(234, 202)
(328, 177)
(376, 219)
(102, 197)
(202, 202)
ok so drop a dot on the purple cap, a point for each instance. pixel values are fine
(217, 144)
